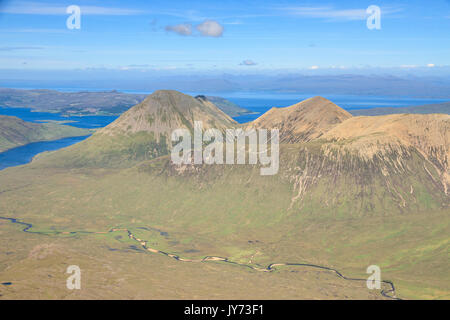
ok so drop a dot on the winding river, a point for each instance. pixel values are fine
(388, 293)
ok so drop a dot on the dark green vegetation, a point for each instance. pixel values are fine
(15, 132)
(425, 109)
(369, 190)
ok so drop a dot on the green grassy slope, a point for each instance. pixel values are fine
(15, 132)
(141, 133)
(114, 268)
(234, 212)
(367, 194)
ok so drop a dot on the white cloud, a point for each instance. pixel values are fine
(210, 28)
(36, 8)
(431, 65)
(183, 29)
(248, 63)
(313, 67)
(332, 13)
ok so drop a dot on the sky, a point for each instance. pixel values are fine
(226, 36)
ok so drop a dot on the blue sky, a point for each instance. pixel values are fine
(225, 36)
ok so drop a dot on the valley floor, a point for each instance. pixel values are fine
(73, 212)
(35, 269)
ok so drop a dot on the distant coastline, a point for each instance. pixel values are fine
(245, 106)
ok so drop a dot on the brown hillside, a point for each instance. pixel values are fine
(143, 132)
(304, 121)
(167, 110)
(368, 136)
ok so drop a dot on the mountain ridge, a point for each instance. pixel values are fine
(368, 190)
(304, 121)
(166, 110)
(368, 136)
(144, 131)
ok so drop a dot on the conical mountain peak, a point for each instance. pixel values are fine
(166, 110)
(303, 121)
(144, 131)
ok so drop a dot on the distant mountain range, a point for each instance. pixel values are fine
(424, 109)
(345, 82)
(115, 103)
(89, 102)
(110, 102)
